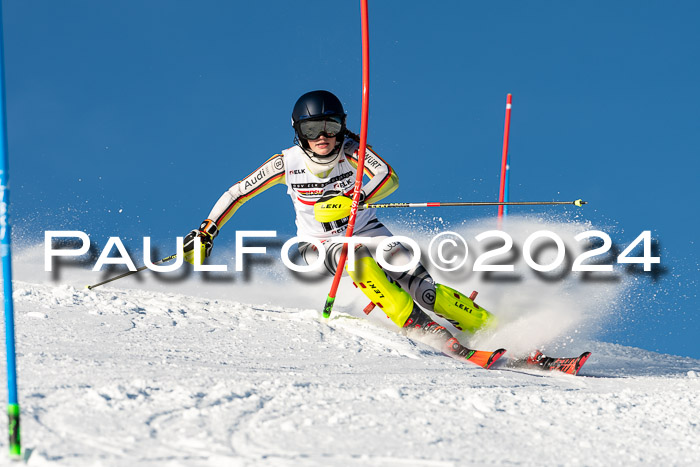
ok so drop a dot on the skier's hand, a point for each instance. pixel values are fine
(206, 232)
(332, 207)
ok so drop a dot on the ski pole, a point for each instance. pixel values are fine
(328, 307)
(168, 258)
(341, 209)
(578, 202)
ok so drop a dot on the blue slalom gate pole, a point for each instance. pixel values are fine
(12, 404)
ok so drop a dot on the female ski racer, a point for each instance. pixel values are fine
(320, 167)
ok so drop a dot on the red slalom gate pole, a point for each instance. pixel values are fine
(328, 307)
(504, 159)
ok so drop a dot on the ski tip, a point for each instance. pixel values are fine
(494, 357)
(580, 361)
(485, 359)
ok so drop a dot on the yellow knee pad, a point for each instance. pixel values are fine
(461, 311)
(395, 302)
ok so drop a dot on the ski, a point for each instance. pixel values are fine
(537, 359)
(483, 358)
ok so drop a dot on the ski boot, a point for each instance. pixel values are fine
(398, 305)
(569, 366)
(450, 345)
(395, 302)
(461, 311)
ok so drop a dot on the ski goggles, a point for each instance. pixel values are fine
(313, 129)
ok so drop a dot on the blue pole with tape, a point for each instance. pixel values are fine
(12, 403)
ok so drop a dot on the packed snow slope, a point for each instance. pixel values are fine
(244, 371)
(130, 377)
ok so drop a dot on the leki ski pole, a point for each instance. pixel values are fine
(331, 298)
(164, 260)
(340, 206)
(578, 202)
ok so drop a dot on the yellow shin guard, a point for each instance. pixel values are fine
(371, 280)
(461, 311)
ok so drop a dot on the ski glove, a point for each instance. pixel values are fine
(206, 232)
(333, 207)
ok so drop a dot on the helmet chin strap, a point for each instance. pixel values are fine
(320, 165)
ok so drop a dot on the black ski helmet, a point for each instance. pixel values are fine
(317, 105)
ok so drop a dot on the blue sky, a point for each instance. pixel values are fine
(130, 118)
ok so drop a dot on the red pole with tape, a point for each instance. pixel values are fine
(504, 159)
(360, 158)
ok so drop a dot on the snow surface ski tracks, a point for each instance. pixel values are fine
(118, 377)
